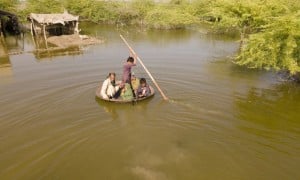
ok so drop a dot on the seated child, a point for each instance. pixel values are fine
(126, 93)
(144, 89)
(135, 82)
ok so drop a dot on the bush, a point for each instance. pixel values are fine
(142, 8)
(45, 6)
(178, 2)
(8, 5)
(168, 18)
(277, 47)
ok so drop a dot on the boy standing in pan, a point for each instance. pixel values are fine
(126, 78)
(131, 61)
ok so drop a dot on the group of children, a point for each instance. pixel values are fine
(129, 88)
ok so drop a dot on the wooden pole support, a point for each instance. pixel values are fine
(45, 37)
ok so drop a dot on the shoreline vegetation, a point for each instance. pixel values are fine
(269, 29)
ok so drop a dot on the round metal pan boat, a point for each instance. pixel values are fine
(119, 100)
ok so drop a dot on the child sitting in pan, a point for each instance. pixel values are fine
(126, 92)
(144, 89)
(135, 83)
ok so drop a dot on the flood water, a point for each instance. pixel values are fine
(222, 121)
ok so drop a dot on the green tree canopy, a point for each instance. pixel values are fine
(8, 5)
(271, 29)
(45, 6)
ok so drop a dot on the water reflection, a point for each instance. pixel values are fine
(4, 61)
(5, 65)
(109, 108)
(268, 118)
(166, 38)
(3, 48)
(53, 52)
(138, 34)
(276, 107)
(14, 43)
(117, 110)
(5, 68)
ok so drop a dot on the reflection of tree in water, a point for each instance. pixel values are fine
(275, 108)
(6, 72)
(14, 43)
(5, 67)
(136, 34)
(3, 50)
(167, 36)
(157, 36)
(4, 61)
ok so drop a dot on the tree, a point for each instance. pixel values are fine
(276, 47)
(8, 5)
(45, 6)
(269, 29)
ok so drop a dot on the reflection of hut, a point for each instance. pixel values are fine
(53, 24)
(3, 51)
(54, 52)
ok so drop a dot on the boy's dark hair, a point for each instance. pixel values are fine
(130, 59)
(142, 80)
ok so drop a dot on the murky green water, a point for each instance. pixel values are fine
(223, 122)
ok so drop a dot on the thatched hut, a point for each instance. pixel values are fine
(54, 24)
(60, 30)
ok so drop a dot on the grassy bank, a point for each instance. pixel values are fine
(269, 29)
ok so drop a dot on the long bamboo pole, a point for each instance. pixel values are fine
(141, 62)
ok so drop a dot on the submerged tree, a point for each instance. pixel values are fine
(269, 29)
(276, 47)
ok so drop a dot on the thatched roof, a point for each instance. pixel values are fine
(53, 18)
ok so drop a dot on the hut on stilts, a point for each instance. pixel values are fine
(59, 29)
(53, 24)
